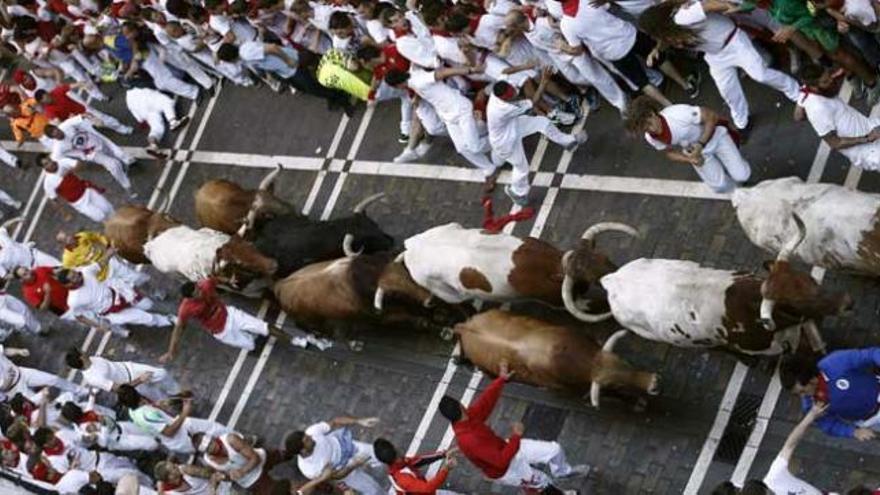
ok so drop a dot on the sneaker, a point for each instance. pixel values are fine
(579, 139)
(424, 147)
(517, 199)
(578, 471)
(560, 117)
(178, 123)
(403, 138)
(273, 83)
(152, 149)
(321, 344)
(408, 155)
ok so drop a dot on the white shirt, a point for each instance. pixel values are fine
(860, 10)
(93, 297)
(327, 451)
(448, 49)
(252, 50)
(13, 253)
(607, 36)
(713, 29)
(447, 101)
(377, 31)
(501, 120)
(780, 480)
(81, 140)
(684, 125)
(488, 27)
(833, 115)
(103, 374)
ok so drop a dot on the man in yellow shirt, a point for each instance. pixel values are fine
(84, 248)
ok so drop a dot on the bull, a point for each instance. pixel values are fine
(684, 304)
(457, 264)
(141, 235)
(548, 355)
(324, 294)
(842, 225)
(225, 206)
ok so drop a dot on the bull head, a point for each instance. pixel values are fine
(796, 289)
(396, 278)
(348, 240)
(586, 265)
(264, 201)
(239, 259)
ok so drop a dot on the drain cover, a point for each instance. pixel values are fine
(742, 421)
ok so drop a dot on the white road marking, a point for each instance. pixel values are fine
(255, 374)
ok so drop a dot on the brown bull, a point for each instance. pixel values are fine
(226, 207)
(548, 355)
(130, 228)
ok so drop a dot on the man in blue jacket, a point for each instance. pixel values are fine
(848, 381)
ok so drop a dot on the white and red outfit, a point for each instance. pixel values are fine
(82, 142)
(61, 454)
(227, 324)
(82, 195)
(780, 480)
(28, 382)
(723, 165)
(104, 374)
(110, 434)
(393, 60)
(727, 48)
(16, 314)
(232, 460)
(115, 303)
(507, 462)
(831, 114)
(152, 107)
(406, 476)
(14, 253)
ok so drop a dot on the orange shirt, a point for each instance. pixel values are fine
(30, 124)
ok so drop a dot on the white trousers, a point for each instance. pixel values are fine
(723, 165)
(741, 54)
(160, 386)
(113, 468)
(178, 58)
(8, 158)
(465, 135)
(15, 313)
(360, 480)
(241, 329)
(865, 156)
(521, 472)
(93, 205)
(385, 92)
(32, 380)
(164, 79)
(131, 438)
(526, 125)
(138, 314)
(113, 164)
(601, 79)
(151, 106)
(126, 273)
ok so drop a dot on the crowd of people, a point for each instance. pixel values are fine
(485, 74)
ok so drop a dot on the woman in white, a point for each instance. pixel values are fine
(692, 135)
(14, 253)
(152, 382)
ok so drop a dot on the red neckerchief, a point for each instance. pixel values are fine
(440, 32)
(806, 91)
(474, 24)
(570, 7)
(58, 449)
(41, 472)
(665, 135)
(529, 11)
(89, 417)
(223, 453)
(821, 394)
(398, 32)
(172, 487)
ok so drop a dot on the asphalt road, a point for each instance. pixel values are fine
(693, 435)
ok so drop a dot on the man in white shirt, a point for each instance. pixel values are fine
(77, 139)
(841, 126)
(83, 196)
(107, 306)
(63, 452)
(330, 445)
(451, 107)
(508, 124)
(152, 382)
(154, 108)
(700, 25)
(14, 253)
(16, 314)
(16, 379)
(692, 135)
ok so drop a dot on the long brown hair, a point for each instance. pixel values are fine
(658, 21)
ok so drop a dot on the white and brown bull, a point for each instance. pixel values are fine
(842, 225)
(548, 355)
(226, 207)
(458, 264)
(141, 235)
(684, 304)
(339, 291)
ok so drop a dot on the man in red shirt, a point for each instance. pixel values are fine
(380, 61)
(41, 289)
(406, 479)
(227, 324)
(58, 105)
(80, 194)
(507, 462)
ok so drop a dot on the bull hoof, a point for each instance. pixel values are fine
(447, 334)
(654, 386)
(356, 345)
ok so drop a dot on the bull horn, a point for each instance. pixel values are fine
(568, 299)
(378, 299)
(270, 177)
(347, 242)
(590, 234)
(12, 221)
(793, 243)
(366, 201)
(767, 314)
(595, 388)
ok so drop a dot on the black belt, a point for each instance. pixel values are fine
(729, 37)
